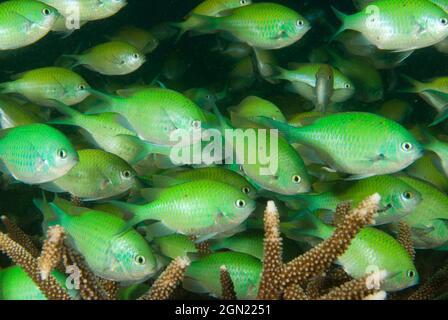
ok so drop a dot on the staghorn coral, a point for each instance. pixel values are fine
(357, 289)
(342, 210)
(319, 258)
(16, 234)
(50, 256)
(228, 289)
(433, 287)
(20, 256)
(202, 247)
(110, 287)
(85, 281)
(405, 238)
(295, 292)
(168, 281)
(272, 256)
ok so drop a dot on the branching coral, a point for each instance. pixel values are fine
(88, 284)
(279, 279)
(168, 281)
(357, 289)
(228, 289)
(433, 287)
(405, 238)
(272, 256)
(16, 234)
(319, 259)
(49, 286)
(50, 256)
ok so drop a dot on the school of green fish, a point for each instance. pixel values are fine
(332, 93)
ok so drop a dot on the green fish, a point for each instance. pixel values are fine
(371, 250)
(247, 242)
(440, 148)
(399, 25)
(125, 258)
(167, 111)
(427, 168)
(174, 245)
(43, 86)
(358, 143)
(260, 25)
(202, 276)
(324, 87)
(303, 81)
(202, 97)
(98, 175)
(112, 58)
(13, 114)
(434, 92)
(217, 8)
(207, 208)
(24, 22)
(281, 170)
(398, 199)
(36, 153)
(244, 115)
(15, 284)
(105, 132)
(366, 79)
(139, 38)
(220, 174)
(87, 10)
(429, 220)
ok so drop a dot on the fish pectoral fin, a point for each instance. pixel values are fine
(359, 176)
(193, 285)
(422, 230)
(378, 157)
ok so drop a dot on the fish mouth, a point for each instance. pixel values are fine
(385, 209)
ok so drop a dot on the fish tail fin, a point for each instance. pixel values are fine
(134, 213)
(51, 216)
(415, 86)
(292, 134)
(344, 18)
(5, 87)
(193, 22)
(441, 116)
(307, 225)
(109, 100)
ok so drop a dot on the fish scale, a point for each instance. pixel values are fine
(395, 25)
(244, 270)
(88, 10)
(23, 22)
(24, 156)
(429, 221)
(200, 208)
(154, 114)
(357, 142)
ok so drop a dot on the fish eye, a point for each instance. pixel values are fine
(347, 86)
(136, 56)
(46, 12)
(243, 2)
(246, 190)
(196, 124)
(300, 23)
(82, 87)
(140, 260)
(411, 273)
(296, 179)
(240, 203)
(406, 146)
(62, 153)
(444, 21)
(126, 174)
(408, 195)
